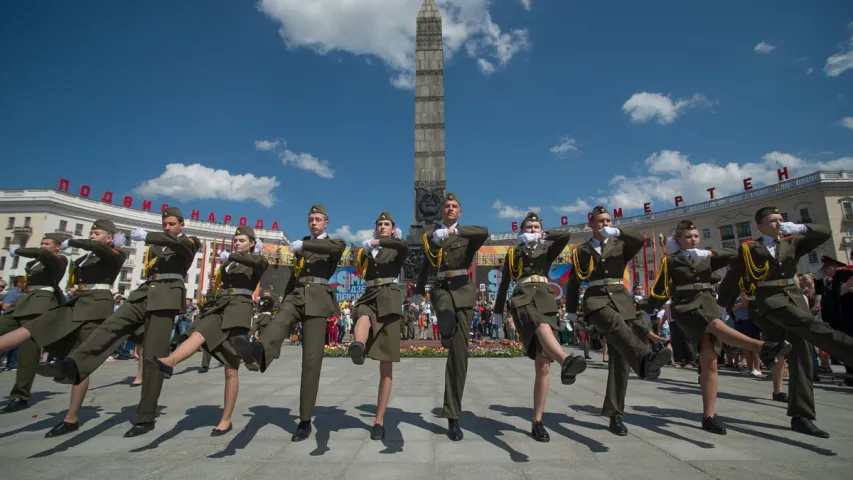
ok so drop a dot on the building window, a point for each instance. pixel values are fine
(706, 233)
(727, 232)
(812, 257)
(648, 242)
(63, 225)
(15, 262)
(785, 216)
(847, 210)
(805, 216)
(26, 221)
(743, 230)
(196, 279)
(7, 243)
(730, 244)
(23, 242)
(125, 275)
(2, 263)
(11, 223)
(121, 290)
(78, 230)
(651, 275)
(198, 263)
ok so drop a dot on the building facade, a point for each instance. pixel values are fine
(26, 215)
(822, 197)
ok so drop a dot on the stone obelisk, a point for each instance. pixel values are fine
(429, 121)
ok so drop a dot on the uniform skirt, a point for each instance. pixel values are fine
(527, 320)
(217, 340)
(383, 342)
(57, 331)
(694, 322)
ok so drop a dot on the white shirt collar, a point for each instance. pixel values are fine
(321, 236)
(769, 241)
(596, 242)
(445, 227)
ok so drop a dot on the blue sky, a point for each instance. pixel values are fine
(300, 102)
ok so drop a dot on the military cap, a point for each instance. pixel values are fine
(173, 212)
(319, 209)
(598, 210)
(531, 217)
(452, 196)
(831, 262)
(56, 237)
(386, 216)
(763, 212)
(685, 225)
(105, 225)
(245, 230)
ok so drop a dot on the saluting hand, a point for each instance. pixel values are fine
(528, 238)
(791, 228)
(138, 234)
(440, 234)
(608, 232)
(259, 245)
(698, 252)
(63, 245)
(12, 252)
(224, 256)
(296, 246)
(368, 244)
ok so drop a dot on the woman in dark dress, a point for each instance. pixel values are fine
(685, 277)
(230, 316)
(378, 312)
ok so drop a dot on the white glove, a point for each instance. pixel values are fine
(398, 233)
(367, 244)
(138, 234)
(224, 256)
(440, 234)
(608, 232)
(791, 228)
(296, 246)
(259, 245)
(698, 252)
(63, 245)
(204, 293)
(529, 238)
(12, 252)
(671, 245)
(140, 282)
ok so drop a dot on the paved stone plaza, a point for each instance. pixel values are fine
(665, 440)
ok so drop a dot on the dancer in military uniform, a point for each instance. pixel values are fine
(533, 306)
(41, 294)
(266, 312)
(64, 327)
(378, 311)
(449, 250)
(229, 317)
(207, 301)
(770, 264)
(608, 306)
(154, 306)
(310, 300)
(685, 276)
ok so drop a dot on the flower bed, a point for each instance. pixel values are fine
(479, 349)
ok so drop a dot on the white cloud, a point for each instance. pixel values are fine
(673, 174)
(847, 122)
(485, 66)
(305, 161)
(764, 48)
(528, 4)
(809, 71)
(840, 62)
(509, 211)
(386, 30)
(645, 106)
(349, 236)
(267, 145)
(579, 206)
(567, 144)
(197, 182)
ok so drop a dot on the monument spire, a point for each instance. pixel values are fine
(429, 121)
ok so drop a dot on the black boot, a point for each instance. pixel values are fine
(806, 426)
(15, 405)
(139, 429)
(62, 428)
(780, 397)
(251, 352)
(617, 427)
(454, 432)
(710, 424)
(770, 351)
(65, 368)
(573, 366)
(539, 433)
(653, 362)
(164, 370)
(356, 353)
(303, 431)
(203, 369)
(378, 432)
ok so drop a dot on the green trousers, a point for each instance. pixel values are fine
(458, 322)
(313, 342)
(620, 336)
(803, 330)
(618, 371)
(29, 355)
(205, 359)
(93, 352)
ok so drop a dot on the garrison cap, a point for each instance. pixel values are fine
(105, 225)
(386, 216)
(56, 237)
(531, 217)
(763, 212)
(452, 196)
(598, 210)
(319, 209)
(685, 225)
(831, 262)
(245, 230)
(173, 212)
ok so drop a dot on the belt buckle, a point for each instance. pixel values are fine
(378, 281)
(448, 274)
(782, 283)
(82, 287)
(154, 277)
(231, 291)
(308, 280)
